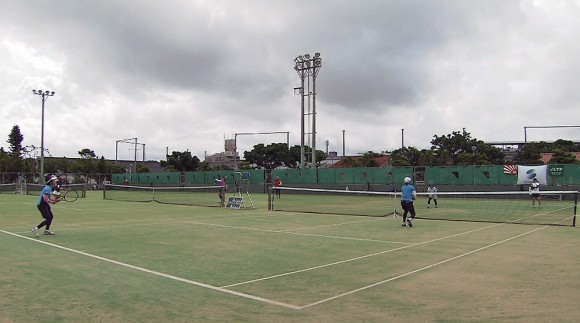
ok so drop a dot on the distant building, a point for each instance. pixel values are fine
(229, 157)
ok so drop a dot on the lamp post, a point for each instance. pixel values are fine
(343, 145)
(44, 96)
(473, 149)
(308, 67)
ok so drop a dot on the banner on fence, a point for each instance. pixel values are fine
(527, 173)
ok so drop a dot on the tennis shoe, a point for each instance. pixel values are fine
(409, 223)
(48, 233)
(404, 224)
(35, 231)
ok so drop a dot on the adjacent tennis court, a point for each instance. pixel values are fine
(133, 262)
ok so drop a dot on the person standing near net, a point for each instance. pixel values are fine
(408, 195)
(222, 192)
(277, 184)
(43, 206)
(432, 191)
(535, 191)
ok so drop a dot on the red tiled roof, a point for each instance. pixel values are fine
(546, 157)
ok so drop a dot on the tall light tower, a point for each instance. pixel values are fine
(44, 96)
(307, 68)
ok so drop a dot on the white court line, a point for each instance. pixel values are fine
(331, 225)
(360, 257)
(421, 269)
(291, 233)
(153, 272)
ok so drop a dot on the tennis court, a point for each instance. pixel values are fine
(125, 261)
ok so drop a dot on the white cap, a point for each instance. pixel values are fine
(51, 178)
(407, 180)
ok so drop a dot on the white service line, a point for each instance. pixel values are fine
(153, 272)
(331, 225)
(292, 233)
(360, 257)
(420, 269)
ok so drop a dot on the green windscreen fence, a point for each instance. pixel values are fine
(346, 176)
(189, 178)
(478, 175)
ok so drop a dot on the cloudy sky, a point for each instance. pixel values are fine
(186, 74)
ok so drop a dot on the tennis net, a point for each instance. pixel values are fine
(557, 207)
(8, 188)
(194, 195)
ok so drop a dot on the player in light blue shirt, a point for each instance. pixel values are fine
(408, 195)
(43, 206)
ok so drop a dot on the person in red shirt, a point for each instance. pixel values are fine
(277, 184)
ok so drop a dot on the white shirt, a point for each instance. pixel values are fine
(432, 190)
(535, 187)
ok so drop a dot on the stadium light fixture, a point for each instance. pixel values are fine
(43, 96)
(307, 68)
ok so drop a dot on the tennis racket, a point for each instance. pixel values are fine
(69, 196)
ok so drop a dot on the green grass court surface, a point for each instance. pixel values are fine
(115, 261)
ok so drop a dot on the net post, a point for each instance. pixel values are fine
(270, 199)
(575, 207)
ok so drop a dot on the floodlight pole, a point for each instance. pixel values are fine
(308, 67)
(473, 149)
(44, 96)
(132, 141)
(343, 144)
(542, 127)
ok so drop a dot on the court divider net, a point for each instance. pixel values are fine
(194, 195)
(8, 188)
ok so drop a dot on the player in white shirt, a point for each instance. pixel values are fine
(432, 191)
(535, 191)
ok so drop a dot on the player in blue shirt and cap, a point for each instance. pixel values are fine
(408, 195)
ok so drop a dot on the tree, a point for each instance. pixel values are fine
(369, 159)
(15, 139)
(268, 157)
(411, 156)
(180, 161)
(561, 156)
(278, 154)
(203, 166)
(292, 159)
(142, 169)
(350, 162)
(102, 166)
(458, 148)
(13, 159)
(115, 168)
(530, 154)
(87, 158)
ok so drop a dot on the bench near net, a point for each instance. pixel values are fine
(558, 207)
(195, 195)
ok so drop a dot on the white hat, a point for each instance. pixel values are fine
(51, 178)
(407, 180)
